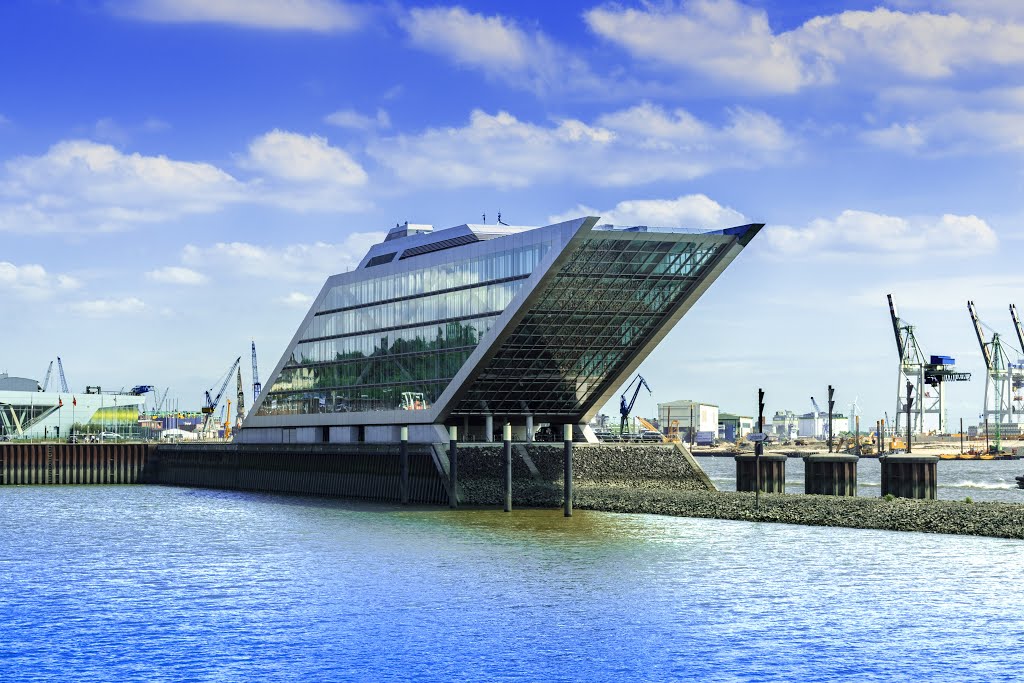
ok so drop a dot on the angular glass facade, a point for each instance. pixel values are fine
(479, 323)
(604, 304)
(395, 341)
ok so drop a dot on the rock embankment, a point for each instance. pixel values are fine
(537, 471)
(662, 480)
(1002, 520)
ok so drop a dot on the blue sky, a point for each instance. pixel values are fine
(178, 177)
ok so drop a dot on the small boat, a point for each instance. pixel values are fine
(1020, 482)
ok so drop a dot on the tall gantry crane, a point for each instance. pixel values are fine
(998, 377)
(240, 408)
(210, 405)
(49, 371)
(63, 380)
(256, 386)
(1017, 369)
(626, 407)
(923, 375)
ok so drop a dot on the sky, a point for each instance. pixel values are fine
(178, 177)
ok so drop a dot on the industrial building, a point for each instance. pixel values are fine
(733, 427)
(685, 418)
(28, 412)
(815, 425)
(476, 325)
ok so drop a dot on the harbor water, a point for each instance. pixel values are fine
(142, 583)
(957, 479)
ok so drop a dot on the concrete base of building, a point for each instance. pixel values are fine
(358, 471)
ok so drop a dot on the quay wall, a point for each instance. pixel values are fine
(59, 463)
(360, 471)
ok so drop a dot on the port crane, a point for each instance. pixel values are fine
(1018, 374)
(256, 386)
(626, 407)
(211, 403)
(933, 372)
(240, 408)
(163, 397)
(998, 376)
(818, 413)
(63, 380)
(46, 381)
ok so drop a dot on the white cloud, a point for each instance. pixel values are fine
(296, 300)
(79, 184)
(733, 45)
(687, 211)
(85, 186)
(908, 136)
(642, 144)
(175, 275)
(303, 158)
(106, 308)
(32, 280)
(722, 39)
(289, 15)
(864, 234)
(311, 263)
(498, 46)
(955, 131)
(304, 173)
(349, 118)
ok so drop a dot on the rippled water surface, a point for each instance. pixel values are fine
(172, 584)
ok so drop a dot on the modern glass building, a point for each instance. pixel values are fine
(480, 324)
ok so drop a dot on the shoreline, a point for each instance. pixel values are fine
(992, 519)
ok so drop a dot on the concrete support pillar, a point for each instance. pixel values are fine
(403, 459)
(909, 476)
(453, 467)
(507, 437)
(489, 428)
(567, 469)
(771, 475)
(830, 474)
(529, 429)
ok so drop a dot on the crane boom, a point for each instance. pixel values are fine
(49, 371)
(1016, 324)
(160, 403)
(985, 351)
(240, 408)
(896, 327)
(817, 410)
(256, 386)
(212, 403)
(625, 408)
(63, 380)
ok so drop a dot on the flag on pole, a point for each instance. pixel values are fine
(60, 402)
(74, 402)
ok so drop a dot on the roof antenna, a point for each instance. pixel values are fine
(499, 219)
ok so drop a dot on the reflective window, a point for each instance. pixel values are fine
(607, 300)
(395, 342)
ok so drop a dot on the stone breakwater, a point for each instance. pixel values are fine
(662, 480)
(537, 471)
(1002, 520)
